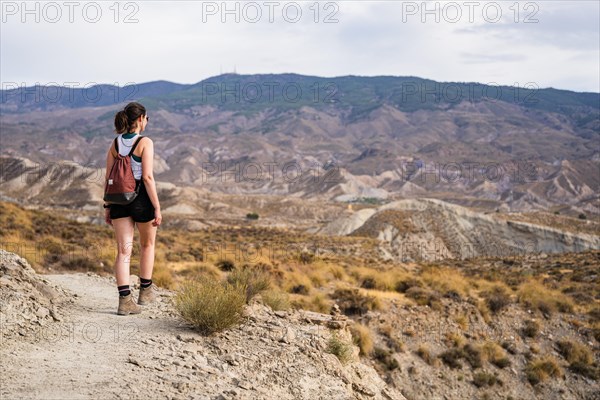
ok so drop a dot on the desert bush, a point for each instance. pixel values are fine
(473, 354)
(319, 303)
(276, 299)
(496, 298)
(337, 272)
(53, 249)
(254, 280)
(79, 263)
(531, 328)
(446, 281)
(482, 379)
(594, 314)
(306, 257)
(455, 339)
(339, 348)
(352, 302)
(369, 282)
(483, 310)
(575, 352)
(580, 358)
(463, 321)
(210, 305)
(386, 358)
(363, 338)
(393, 343)
(541, 369)
(423, 296)
(225, 265)
(425, 353)
(510, 347)
(495, 354)
(535, 295)
(590, 371)
(196, 253)
(403, 285)
(452, 358)
(162, 276)
(300, 289)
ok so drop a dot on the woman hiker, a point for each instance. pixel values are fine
(144, 211)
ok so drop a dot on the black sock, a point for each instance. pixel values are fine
(123, 290)
(145, 283)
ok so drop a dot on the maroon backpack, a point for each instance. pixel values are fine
(121, 186)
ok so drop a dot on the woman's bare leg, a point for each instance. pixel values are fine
(124, 235)
(147, 240)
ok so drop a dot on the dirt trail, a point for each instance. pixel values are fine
(86, 353)
(93, 353)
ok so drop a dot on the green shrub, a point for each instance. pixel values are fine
(339, 348)
(425, 353)
(254, 280)
(210, 305)
(452, 358)
(497, 298)
(403, 285)
(363, 338)
(580, 358)
(423, 296)
(352, 302)
(386, 358)
(276, 299)
(575, 352)
(531, 328)
(300, 289)
(225, 265)
(482, 379)
(541, 369)
(473, 354)
(495, 354)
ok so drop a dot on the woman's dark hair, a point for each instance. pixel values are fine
(125, 119)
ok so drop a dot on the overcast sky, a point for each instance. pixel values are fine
(547, 43)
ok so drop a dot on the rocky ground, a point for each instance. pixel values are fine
(62, 339)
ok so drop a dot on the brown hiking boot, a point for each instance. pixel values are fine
(127, 305)
(148, 295)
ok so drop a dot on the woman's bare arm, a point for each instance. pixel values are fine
(148, 174)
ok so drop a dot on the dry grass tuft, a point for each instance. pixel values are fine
(211, 306)
(363, 338)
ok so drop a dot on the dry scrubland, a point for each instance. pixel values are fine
(519, 327)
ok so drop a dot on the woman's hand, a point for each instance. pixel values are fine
(157, 217)
(107, 216)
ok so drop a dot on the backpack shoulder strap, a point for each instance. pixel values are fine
(135, 145)
(116, 146)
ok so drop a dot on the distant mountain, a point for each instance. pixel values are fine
(380, 137)
(49, 98)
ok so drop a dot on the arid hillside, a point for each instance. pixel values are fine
(524, 326)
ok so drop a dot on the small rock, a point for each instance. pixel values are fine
(42, 312)
(289, 336)
(244, 385)
(134, 361)
(357, 387)
(186, 339)
(232, 359)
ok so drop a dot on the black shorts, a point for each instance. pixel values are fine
(140, 209)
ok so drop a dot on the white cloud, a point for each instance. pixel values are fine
(172, 42)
